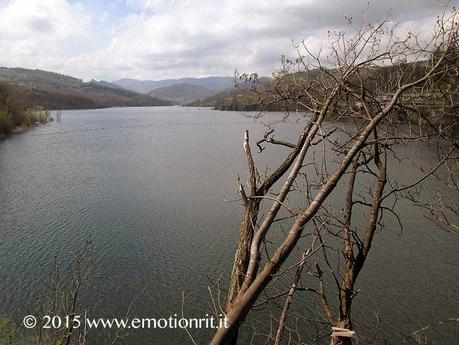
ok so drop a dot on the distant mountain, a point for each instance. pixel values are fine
(58, 91)
(231, 99)
(106, 83)
(182, 93)
(145, 86)
(243, 98)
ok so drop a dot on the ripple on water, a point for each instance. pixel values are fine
(147, 187)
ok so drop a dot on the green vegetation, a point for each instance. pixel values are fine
(35, 115)
(18, 110)
(6, 123)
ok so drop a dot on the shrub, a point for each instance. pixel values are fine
(6, 124)
(34, 115)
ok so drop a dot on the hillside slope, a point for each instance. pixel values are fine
(243, 98)
(58, 91)
(182, 93)
(279, 94)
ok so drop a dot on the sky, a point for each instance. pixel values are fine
(158, 39)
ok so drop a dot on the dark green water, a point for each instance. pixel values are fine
(147, 186)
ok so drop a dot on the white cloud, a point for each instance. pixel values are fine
(156, 39)
(35, 33)
(55, 19)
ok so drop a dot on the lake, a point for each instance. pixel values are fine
(150, 188)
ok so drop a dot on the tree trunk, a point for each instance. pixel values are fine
(242, 256)
(342, 334)
(341, 341)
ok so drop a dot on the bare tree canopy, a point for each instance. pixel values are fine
(383, 93)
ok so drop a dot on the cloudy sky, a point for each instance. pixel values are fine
(158, 39)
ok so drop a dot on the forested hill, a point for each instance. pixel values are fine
(182, 93)
(279, 94)
(58, 91)
(243, 98)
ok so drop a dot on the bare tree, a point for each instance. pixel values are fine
(382, 91)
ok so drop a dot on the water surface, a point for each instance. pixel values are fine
(149, 188)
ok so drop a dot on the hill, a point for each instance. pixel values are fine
(243, 98)
(182, 93)
(145, 86)
(279, 94)
(58, 91)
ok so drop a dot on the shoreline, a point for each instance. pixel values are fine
(20, 130)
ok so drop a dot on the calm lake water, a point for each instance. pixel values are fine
(149, 188)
